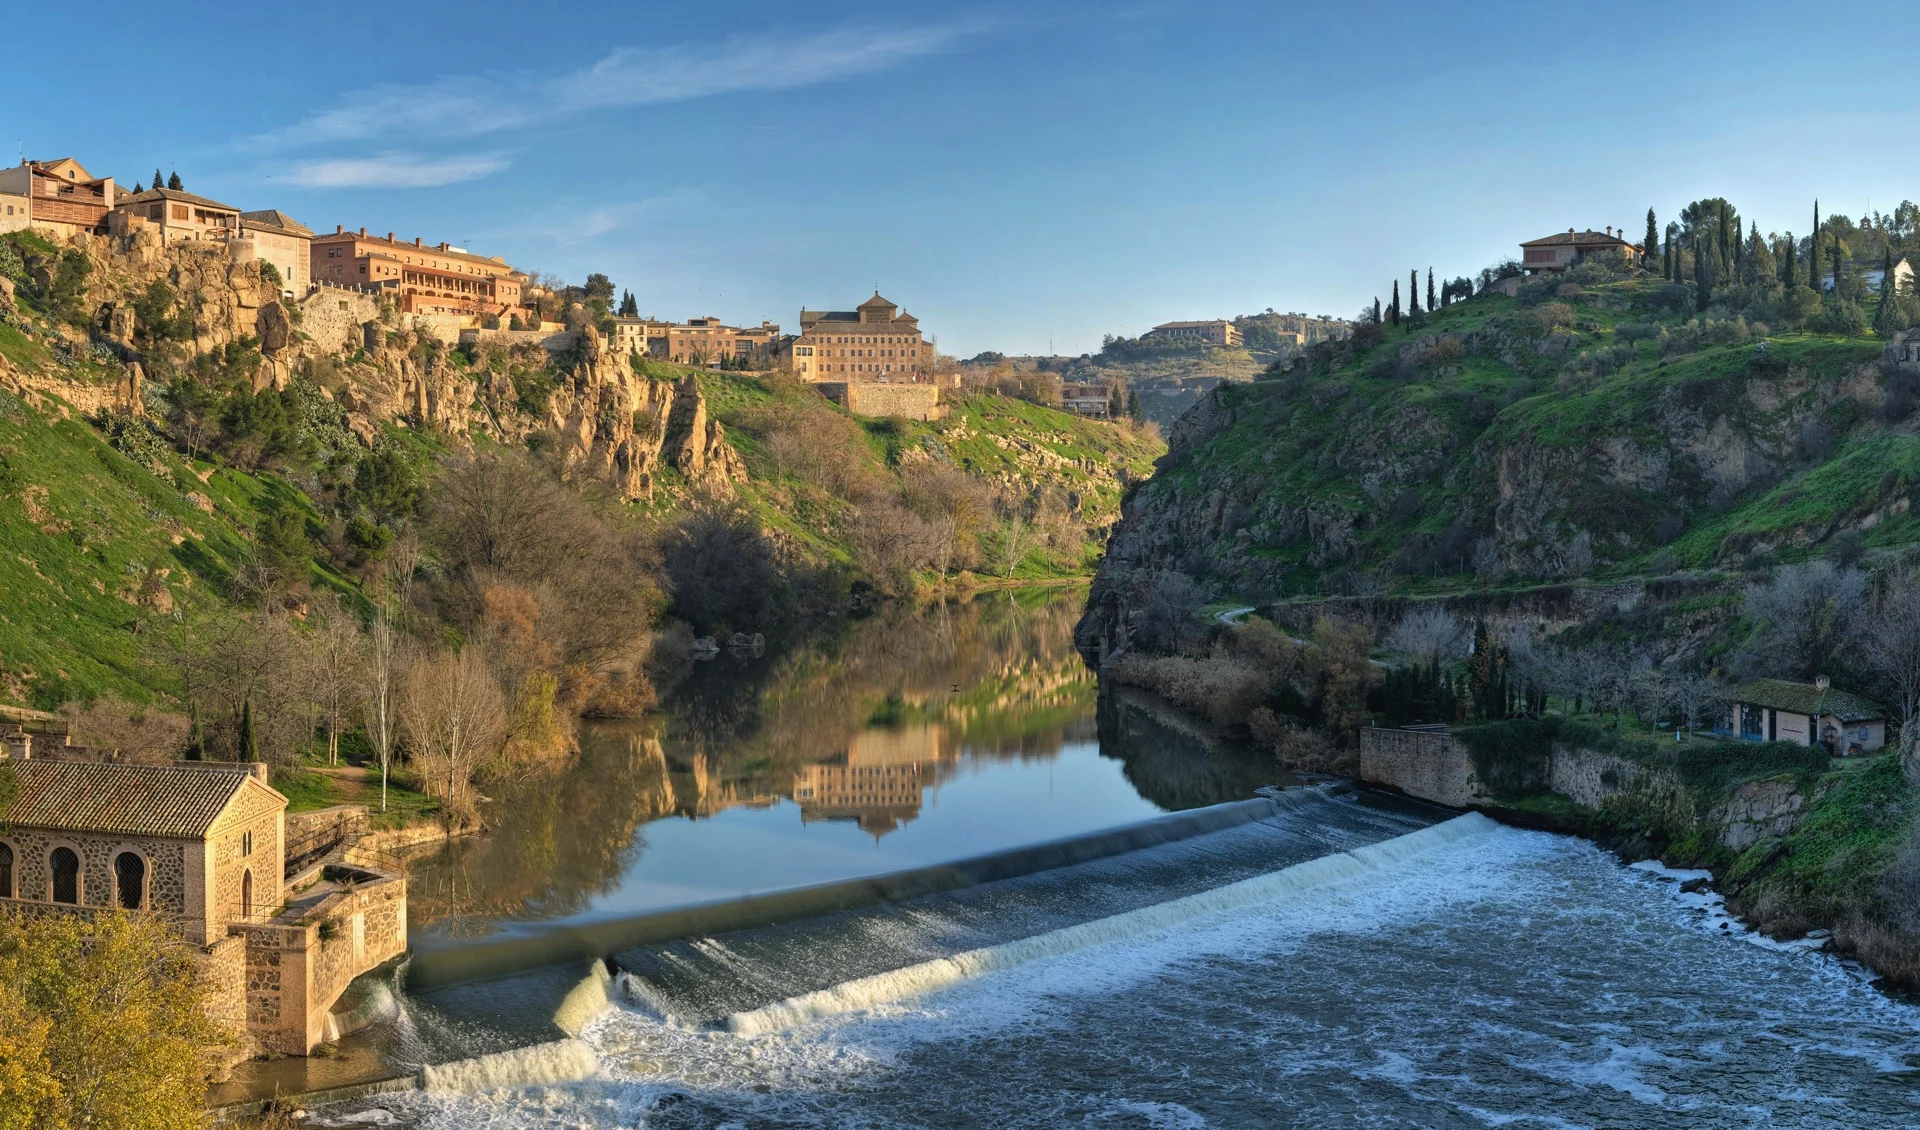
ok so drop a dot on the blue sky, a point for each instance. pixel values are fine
(1019, 176)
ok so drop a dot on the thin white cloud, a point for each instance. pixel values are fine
(395, 170)
(459, 106)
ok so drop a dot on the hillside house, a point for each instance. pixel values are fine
(182, 215)
(60, 197)
(1085, 399)
(1775, 710)
(283, 241)
(202, 844)
(1903, 352)
(1558, 252)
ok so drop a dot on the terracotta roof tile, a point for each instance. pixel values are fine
(152, 800)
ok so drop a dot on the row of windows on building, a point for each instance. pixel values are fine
(63, 870)
(863, 340)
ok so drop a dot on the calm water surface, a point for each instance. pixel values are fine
(915, 737)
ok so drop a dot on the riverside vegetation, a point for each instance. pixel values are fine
(396, 570)
(1636, 485)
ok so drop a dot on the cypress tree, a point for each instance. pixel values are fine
(249, 741)
(1393, 311)
(1813, 249)
(1413, 291)
(173, 182)
(157, 182)
(1651, 246)
(1702, 283)
(1789, 268)
(1376, 309)
(1433, 304)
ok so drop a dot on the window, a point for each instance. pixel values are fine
(130, 875)
(65, 865)
(246, 894)
(246, 843)
(6, 871)
(180, 211)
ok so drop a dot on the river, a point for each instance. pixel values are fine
(1341, 961)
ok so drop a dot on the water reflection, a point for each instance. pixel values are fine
(925, 733)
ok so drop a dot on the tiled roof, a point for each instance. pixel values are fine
(275, 218)
(1191, 325)
(876, 300)
(151, 800)
(1579, 239)
(416, 248)
(1805, 698)
(175, 194)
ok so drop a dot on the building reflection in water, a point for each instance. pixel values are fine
(879, 781)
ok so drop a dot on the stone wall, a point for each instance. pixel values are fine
(1430, 766)
(332, 317)
(33, 880)
(555, 341)
(266, 862)
(915, 402)
(296, 969)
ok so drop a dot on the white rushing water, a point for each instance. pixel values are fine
(1464, 975)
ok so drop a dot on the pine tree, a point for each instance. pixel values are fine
(1432, 302)
(1651, 245)
(157, 182)
(1393, 311)
(173, 182)
(249, 741)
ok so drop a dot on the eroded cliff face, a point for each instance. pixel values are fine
(605, 420)
(1337, 485)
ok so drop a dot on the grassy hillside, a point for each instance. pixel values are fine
(1578, 430)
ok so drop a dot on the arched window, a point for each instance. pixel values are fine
(6, 871)
(65, 865)
(246, 894)
(130, 874)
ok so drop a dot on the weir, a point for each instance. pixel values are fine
(584, 942)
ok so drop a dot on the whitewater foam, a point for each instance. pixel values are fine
(928, 976)
(561, 1061)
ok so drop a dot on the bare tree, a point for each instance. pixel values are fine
(455, 720)
(1890, 644)
(1694, 695)
(380, 691)
(1806, 613)
(335, 659)
(1427, 634)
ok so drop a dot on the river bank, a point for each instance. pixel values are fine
(1798, 843)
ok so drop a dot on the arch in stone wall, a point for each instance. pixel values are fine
(65, 883)
(6, 870)
(130, 873)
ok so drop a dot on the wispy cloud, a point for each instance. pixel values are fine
(463, 106)
(395, 170)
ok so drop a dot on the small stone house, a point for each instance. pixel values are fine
(203, 845)
(286, 243)
(1775, 710)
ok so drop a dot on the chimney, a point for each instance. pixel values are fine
(339, 229)
(363, 233)
(1822, 682)
(1609, 229)
(416, 241)
(390, 238)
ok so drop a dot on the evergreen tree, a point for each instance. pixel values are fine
(1376, 309)
(173, 182)
(157, 182)
(1393, 311)
(1651, 245)
(628, 307)
(1413, 292)
(1434, 304)
(1813, 250)
(1702, 278)
(1789, 269)
(249, 741)
(1666, 266)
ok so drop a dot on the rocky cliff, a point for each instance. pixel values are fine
(1501, 441)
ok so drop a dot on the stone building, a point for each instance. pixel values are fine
(283, 241)
(1557, 252)
(1214, 331)
(700, 342)
(182, 215)
(1903, 352)
(423, 278)
(876, 342)
(202, 844)
(60, 197)
(1816, 713)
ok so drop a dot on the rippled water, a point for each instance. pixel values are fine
(1493, 977)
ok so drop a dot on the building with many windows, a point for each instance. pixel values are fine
(423, 278)
(59, 197)
(1214, 331)
(700, 342)
(182, 215)
(875, 342)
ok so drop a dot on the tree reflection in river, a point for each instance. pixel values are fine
(851, 724)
